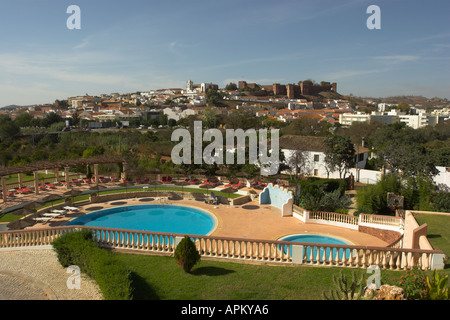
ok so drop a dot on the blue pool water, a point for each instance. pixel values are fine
(319, 239)
(313, 238)
(151, 217)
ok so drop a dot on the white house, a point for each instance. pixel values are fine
(307, 155)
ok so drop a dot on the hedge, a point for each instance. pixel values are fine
(113, 278)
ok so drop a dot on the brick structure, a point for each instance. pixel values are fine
(291, 90)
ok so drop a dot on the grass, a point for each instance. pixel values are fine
(10, 216)
(438, 233)
(160, 277)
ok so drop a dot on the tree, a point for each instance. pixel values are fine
(306, 127)
(186, 254)
(339, 154)
(214, 97)
(231, 86)
(75, 119)
(51, 118)
(402, 149)
(299, 163)
(8, 129)
(209, 117)
(23, 119)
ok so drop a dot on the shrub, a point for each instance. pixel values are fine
(414, 283)
(437, 286)
(78, 248)
(186, 254)
(346, 289)
(441, 201)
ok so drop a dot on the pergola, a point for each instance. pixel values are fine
(55, 166)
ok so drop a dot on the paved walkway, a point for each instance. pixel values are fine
(35, 274)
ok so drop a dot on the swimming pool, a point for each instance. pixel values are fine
(313, 238)
(152, 217)
(319, 239)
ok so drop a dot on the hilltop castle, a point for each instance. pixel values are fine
(292, 90)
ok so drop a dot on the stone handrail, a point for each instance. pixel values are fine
(333, 216)
(250, 250)
(382, 220)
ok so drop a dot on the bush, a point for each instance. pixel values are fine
(414, 283)
(186, 254)
(78, 248)
(441, 201)
(437, 286)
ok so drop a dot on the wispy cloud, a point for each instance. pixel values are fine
(345, 74)
(83, 44)
(397, 58)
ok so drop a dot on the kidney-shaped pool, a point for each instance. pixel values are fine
(152, 217)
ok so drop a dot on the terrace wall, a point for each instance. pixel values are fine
(278, 197)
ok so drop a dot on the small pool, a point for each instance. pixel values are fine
(151, 217)
(318, 239)
(313, 238)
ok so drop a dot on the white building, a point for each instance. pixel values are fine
(307, 155)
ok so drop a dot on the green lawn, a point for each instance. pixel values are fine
(160, 277)
(438, 233)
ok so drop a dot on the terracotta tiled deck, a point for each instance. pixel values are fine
(251, 221)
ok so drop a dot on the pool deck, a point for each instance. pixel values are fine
(248, 221)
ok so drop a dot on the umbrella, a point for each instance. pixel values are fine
(73, 193)
(126, 185)
(222, 171)
(24, 211)
(32, 205)
(51, 197)
(156, 183)
(20, 224)
(182, 184)
(97, 188)
(200, 170)
(242, 174)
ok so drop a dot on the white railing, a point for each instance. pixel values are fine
(239, 250)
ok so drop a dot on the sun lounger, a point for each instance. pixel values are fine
(49, 185)
(86, 180)
(238, 185)
(229, 184)
(195, 181)
(42, 219)
(51, 215)
(59, 211)
(69, 208)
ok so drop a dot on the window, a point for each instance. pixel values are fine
(316, 172)
(316, 158)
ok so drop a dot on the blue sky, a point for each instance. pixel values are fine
(136, 45)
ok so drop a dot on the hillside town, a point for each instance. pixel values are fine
(279, 103)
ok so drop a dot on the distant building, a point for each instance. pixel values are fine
(313, 150)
